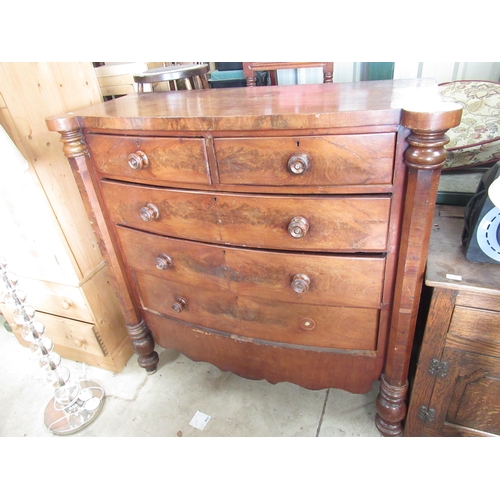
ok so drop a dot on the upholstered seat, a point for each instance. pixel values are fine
(476, 141)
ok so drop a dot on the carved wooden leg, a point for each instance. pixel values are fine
(391, 408)
(143, 345)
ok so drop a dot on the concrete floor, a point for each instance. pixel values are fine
(163, 404)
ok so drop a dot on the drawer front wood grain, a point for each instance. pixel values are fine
(54, 298)
(334, 223)
(334, 280)
(75, 335)
(320, 326)
(164, 159)
(308, 161)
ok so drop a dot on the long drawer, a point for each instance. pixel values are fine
(306, 161)
(145, 159)
(312, 223)
(298, 324)
(336, 280)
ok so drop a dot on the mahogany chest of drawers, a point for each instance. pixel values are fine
(276, 232)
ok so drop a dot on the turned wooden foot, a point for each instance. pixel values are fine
(143, 345)
(391, 408)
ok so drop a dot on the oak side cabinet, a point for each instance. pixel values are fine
(456, 391)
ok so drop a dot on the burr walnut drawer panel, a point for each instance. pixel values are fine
(276, 276)
(300, 324)
(315, 223)
(144, 159)
(312, 161)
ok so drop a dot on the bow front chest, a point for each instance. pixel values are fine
(276, 232)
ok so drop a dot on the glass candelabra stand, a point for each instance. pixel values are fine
(75, 403)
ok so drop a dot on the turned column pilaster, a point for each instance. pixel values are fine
(424, 159)
(75, 149)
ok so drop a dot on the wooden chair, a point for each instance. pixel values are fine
(250, 68)
(192, 75)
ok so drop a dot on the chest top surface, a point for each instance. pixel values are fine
(256, 108)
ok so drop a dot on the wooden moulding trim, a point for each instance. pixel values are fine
(72, 138)
(427, 141)
(441, 117)
(63, 123)
(248, 124)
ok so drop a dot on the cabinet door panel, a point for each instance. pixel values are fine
(468, 395)
(475, 330)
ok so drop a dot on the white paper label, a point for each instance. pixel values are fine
(200, 420)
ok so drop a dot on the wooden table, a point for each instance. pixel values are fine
(276, 232)
(456, 391)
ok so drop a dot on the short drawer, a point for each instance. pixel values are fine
(314, 223)
(75, 335)
(299, 324)
(54, 298)
(309, 161)
(144, 159)
(334, 280)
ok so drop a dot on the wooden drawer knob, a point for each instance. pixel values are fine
(298, 164)
(66, 304)
(163, 262)
(298, 227)
(300, 283)
(138, 160)
(79, 342)
(149, 212)
(179, 304)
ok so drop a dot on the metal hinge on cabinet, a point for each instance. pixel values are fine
(426, 414)
(438, 368)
